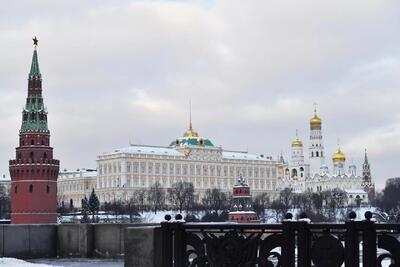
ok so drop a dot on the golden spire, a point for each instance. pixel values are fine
(190, 133)
(190, 116)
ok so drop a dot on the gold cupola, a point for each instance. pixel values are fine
(297, 143)
(338, 156)
(315, 122)
(190, 132)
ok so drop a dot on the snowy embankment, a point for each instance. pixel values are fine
(11, 262)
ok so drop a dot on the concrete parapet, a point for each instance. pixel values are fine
(140, 243)
(75, 240)
(28, 241)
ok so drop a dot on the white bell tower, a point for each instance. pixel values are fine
(316, 149)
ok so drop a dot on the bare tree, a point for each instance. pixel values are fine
(140, 198)
(215, 200)
(4, 203)
(260, 203)
(181, 195)
(132, 208)
(156, 197)
(286, 198)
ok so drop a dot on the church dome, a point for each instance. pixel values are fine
(315, 122)
(190, 133)
(338, 156)
(297, 143)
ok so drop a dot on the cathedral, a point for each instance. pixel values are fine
(314, 174)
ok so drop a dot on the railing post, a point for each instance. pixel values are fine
(369, 241)
(167, 243)
(352, 251)
(288, 242)
(179, 243)
(303, 243)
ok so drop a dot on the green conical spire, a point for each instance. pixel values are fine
(35, 72)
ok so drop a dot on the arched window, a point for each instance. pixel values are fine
(317, 154)
(312, 154)
(294, 173)
(45, 155)
(31, 155)
(322, 154)
(16, 189)
(48, 188)
(30, 188)
(19, 156)
(32, 142)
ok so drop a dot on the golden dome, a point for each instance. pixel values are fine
(315, 122)
(297, 142)
(190, 133)
(338, 156)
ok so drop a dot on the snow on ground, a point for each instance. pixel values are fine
(11, 262)
(78, 262)
(65, 262)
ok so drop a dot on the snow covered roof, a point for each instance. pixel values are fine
(172, 151)
(78, 173)
(158, 150)
(241, 155)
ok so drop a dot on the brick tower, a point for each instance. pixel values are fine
(34, 171)
(242, 210)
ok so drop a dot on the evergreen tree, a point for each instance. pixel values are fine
(85, 210)
(94, 204)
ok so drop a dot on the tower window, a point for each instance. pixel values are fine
(45, 155)
(30, 188)
(32, 142)
(47, 188)
(16, 189)
(31, 155)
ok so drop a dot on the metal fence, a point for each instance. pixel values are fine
(287, 244)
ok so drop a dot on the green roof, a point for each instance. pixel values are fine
(193, 142)
(35, 72)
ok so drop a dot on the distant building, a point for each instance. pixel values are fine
(34, 171)
(190, 158)
(73, 186)
(242, 207)
(314, 175)
(5, 181)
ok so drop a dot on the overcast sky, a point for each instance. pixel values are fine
(114, 70)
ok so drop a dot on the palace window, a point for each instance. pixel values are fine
(30, 188)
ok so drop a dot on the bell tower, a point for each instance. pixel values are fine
(34, 171)
(316, 149)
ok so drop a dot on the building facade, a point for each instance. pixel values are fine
(315, 176)
(34, 171)
(190, 158)
(73, 186)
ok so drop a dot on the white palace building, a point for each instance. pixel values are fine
(195, 159)
(190, 158)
